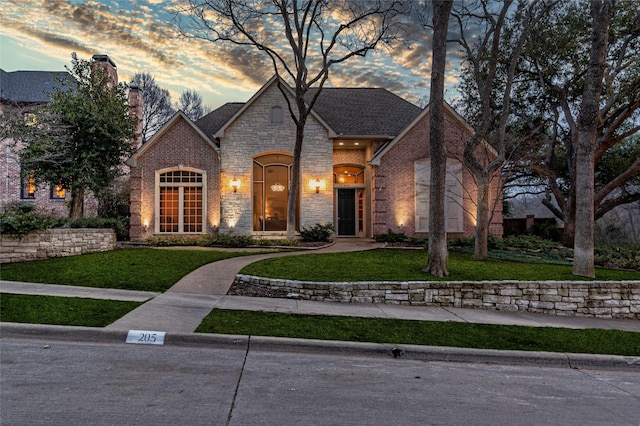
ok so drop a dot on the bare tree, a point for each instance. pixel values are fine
(190, 103)
(493, 74)
(302, 39)
(438, 254)
(588, 120)
(156, 108)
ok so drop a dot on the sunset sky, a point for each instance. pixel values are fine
(138, 36)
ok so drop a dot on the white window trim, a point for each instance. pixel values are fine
(180, 185)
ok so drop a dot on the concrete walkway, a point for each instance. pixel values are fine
(184, 305)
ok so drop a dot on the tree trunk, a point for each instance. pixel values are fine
(583, 256)
(438, 254)
(294, 188)
(76, 206)
(481, 250)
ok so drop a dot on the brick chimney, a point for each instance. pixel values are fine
(105, 62)
(135, 108)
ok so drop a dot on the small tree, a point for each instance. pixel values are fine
(156, 106)
(82, 137)
(190, 103)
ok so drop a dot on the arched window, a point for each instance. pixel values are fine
(343, 174)
(180, 203)
(271, 180)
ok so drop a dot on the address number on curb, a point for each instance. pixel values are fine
(144, 337)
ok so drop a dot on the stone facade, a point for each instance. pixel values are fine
(601, 299)
(55, 243)
(254, 133)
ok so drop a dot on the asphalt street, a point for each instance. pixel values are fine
(57, 382)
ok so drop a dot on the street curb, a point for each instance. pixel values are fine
(331, 347)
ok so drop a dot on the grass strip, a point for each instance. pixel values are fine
(128, 269)
(408, 265)
(454, 334)
(77, 311)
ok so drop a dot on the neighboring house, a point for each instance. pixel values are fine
(22, 91)
(364, 163)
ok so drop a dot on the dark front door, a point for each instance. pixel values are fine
(346, 212)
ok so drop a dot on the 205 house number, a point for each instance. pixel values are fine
(145, 337)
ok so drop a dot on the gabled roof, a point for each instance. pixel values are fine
(217, 118)
(448, 109)
(177, 116)
(364, 111)
(30, 86)
(272, 81)
(347, 112)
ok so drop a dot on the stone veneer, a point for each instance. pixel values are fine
(601, 299)
(55, 243)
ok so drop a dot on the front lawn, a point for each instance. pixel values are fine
(407, 265)
(128, 269)
(34, 309)
(395, 331)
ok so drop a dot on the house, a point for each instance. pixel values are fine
(364, 164)
(21, 92)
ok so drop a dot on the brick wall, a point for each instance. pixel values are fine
(394, 181)
(55, 243)
(253, 134)
(180, 145)
(601, 299)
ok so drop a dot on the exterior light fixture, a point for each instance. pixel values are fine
(235, 184)
(317, 184)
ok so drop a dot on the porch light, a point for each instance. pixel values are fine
(235, 184)
(317, 185)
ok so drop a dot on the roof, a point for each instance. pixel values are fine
(347, 111)
(364, 111)
(30, 86)
(212, 122)
(177, 116)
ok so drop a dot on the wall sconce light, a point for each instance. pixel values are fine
(146, 225)
(317, 184)
(235, 184)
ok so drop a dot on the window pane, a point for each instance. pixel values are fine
(169, 209)
(192, 209)
(258, 215)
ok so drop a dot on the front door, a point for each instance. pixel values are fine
(346, 212)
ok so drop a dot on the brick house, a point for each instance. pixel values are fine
(364, 164)
(23, 91)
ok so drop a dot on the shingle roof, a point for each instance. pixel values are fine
(210, 123)
(364, 111)
(350, 112)
(30, 86)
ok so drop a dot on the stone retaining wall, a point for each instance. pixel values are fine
(601, 299)
(55, 243)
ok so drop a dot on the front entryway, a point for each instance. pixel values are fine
(346, 212)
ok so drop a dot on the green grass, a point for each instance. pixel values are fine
(394, 331)
(62, 310)
(129, 269)
(407, 265)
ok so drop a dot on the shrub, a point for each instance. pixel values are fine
(391, 237)
(167, 241)
(21, 218)
(626, 256)
(317, 232)
(228, 240)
